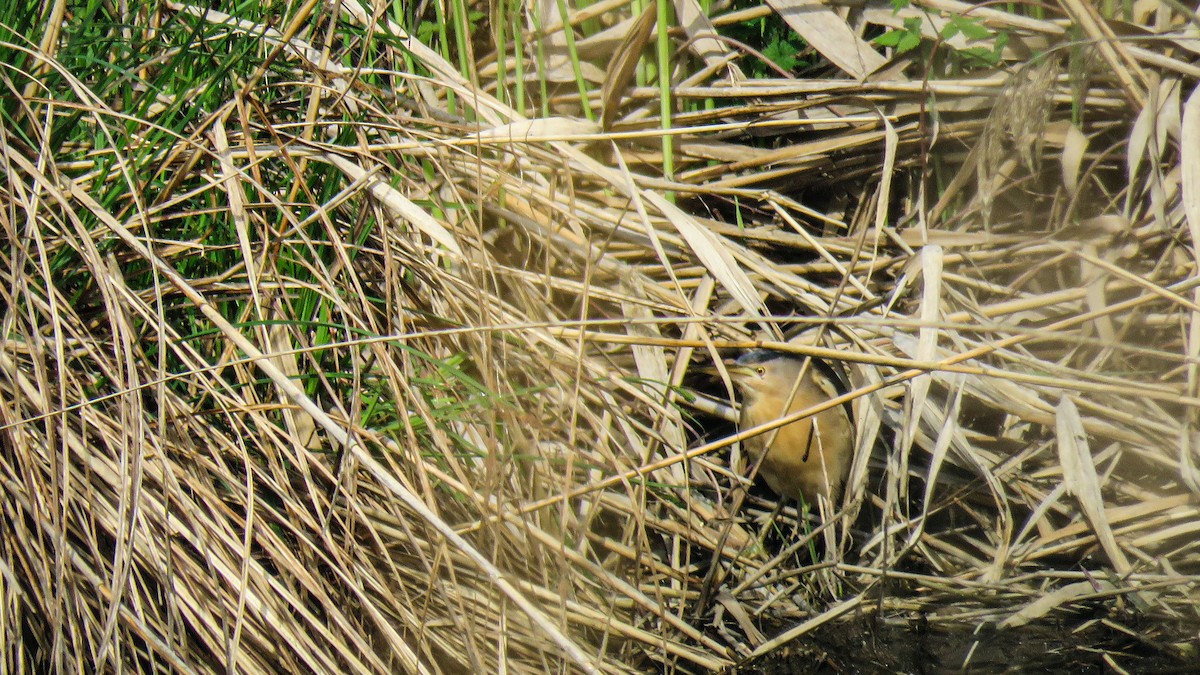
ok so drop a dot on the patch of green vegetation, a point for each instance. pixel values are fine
(940, 57)
(449, 393)
(773, 39)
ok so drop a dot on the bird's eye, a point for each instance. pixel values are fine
(760, 370)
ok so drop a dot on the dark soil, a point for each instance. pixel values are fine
(869, 645)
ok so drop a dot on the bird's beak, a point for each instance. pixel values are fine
(731, 367)
(742, 373)
(736, 371)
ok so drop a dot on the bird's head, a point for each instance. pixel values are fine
(763, 372)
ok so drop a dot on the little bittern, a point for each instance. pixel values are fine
(810, 456)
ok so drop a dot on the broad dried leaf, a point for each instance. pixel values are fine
(702, 36)
(623, 65)
(398, 204)
(1079, 474)
(829, 34)
(931, 260)
(1139, 141)
(541, 129)
(713, 253)
(1190, 189)
(1074, 148)
(1047, 603)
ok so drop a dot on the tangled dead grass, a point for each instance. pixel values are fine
(441, 414)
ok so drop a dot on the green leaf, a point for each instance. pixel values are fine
(890, 38)
(783, 53)
(1001, 42)
(972, 28)
(982, 54)
(903, 39)
(426, 30)
(909, 42)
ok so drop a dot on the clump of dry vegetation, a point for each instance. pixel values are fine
(352, 338)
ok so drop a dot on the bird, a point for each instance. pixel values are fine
(809, 458)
